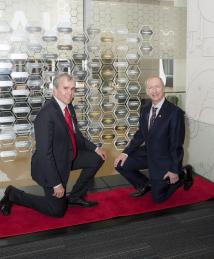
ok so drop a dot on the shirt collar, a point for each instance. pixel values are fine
(61, 104)
(158, 105)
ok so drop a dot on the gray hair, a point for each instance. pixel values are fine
(61, 75)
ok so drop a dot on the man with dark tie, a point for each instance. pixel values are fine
(158, 147)
(60, 147)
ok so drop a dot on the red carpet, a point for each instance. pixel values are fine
(112, 203)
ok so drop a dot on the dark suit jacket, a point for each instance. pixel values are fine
(52, 159)
(163, 143)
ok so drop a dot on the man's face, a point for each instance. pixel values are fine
(155, 90)
(65, 90)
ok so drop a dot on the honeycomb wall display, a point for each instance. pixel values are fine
(42, 38)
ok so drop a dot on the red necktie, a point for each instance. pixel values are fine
(69, 123)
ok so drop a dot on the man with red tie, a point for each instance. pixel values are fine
(158, 147)
(60, 147)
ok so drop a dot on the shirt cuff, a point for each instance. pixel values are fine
(125, 154)
(57, 185)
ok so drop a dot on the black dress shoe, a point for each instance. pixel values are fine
(5, 203)
(188, 178)
(141, 192)
(81, 202)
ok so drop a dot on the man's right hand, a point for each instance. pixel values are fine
(121, 158)
(59, 191)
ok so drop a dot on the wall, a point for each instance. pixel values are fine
(200, 86)
(95, 42)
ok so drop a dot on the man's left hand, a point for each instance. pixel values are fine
(173, 178)
(101, 153)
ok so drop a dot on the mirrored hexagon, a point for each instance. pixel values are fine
(94, 97)
(107, 72)
(133, 119)
(23, 127)
(35, 83)
(34, 66)
(6, 119)
(6, 101)
(80, 105)
(81, 89)
(49, 66)
(107, 105)
(107, 56)
(121, 112)
(121, 81)
(6, 83)
(108, 120)
(21, 110)
(19, 77)
(133, 88)
(107, 87)
(20, 94)
(95, 129)
(94, 65)
(146, 32)
(120, 65)
(79, 73)
(94, 113)
(79, 58)
(133, 103)
(121, 96)
(133, 56)
(36, 100)
(146, 48)
(108, 136)
(23, 144)
(83, 124)
(133, 72)
(94, 81)
(65, 65)
(120, 143)
(121, 127)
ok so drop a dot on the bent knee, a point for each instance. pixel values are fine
(58, 212)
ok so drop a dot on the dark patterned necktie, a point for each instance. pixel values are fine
(152, 119)
(69, 123)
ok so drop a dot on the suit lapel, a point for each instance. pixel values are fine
(59, 114)
(145, 118)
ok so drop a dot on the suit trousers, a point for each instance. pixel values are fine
(136, 161)
(90, 163)
(47, 204)
(86, 160)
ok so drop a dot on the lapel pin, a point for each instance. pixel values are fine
(159, 116)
